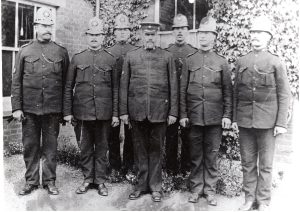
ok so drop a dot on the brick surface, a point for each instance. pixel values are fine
(71, 23)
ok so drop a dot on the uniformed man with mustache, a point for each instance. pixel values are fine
(261, 101)
(37, 93)
(149, 100)
(94, 102)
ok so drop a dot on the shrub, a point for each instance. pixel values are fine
(230, 147)
(68, 152)
(230, 179)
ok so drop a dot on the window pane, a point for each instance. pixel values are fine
(6, 72)
(8, 23)
(25, 24)
(166, 14)
(201, 11)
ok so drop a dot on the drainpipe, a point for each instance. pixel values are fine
(97, 8)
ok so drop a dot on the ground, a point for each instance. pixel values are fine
(284, 197)
(69, 178)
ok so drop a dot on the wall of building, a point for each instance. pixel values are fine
(71, 24)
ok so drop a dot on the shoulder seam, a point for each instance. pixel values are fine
(221, 55)
(136, 48)
(59, 45)
(273, 53)
(191, 54)
(109, 53)
(80, 51)
(26, 44)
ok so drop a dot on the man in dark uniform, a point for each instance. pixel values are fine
(206, 104)
(180, 50)
(95, 103)
(119, 50)
(261, 101)
(37, 93)
(149, 98)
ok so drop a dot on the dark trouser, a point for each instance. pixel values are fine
(32, 128)
(257, 145)
(204, 146)
(147, 143)
(114, 149)
(172, 149)
(94, 147)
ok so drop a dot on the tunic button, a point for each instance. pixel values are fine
(37, 105)
(253, 101)
(94, 86)
(43, 88)
(254, 89)
(44, 77)
(43, 66)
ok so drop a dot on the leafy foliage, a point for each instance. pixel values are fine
(230, 179)
(234, 21)
(134, 9)
(67, 152)
(14, 148)
(230, 147)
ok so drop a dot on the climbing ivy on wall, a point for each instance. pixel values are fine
(234, 21)
(136, 10)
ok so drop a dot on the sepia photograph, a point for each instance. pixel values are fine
(149, 105)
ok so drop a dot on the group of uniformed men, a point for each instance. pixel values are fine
(154, 92)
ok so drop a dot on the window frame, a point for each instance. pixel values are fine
(157, 15)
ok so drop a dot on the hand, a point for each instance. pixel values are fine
(68, 118)
(171, 120)
(184, 122)
(115, 121)
(125, 119)
(18, 115)
(235, 127)
(279, 130)
(226, 123)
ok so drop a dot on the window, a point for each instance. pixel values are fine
(17, 30)
(194, 12)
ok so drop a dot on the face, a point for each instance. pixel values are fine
(43, 32)
(180, 34)
(149, 39)
(122, 34)
(95, 41)
(259, 39)
(206, 39)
